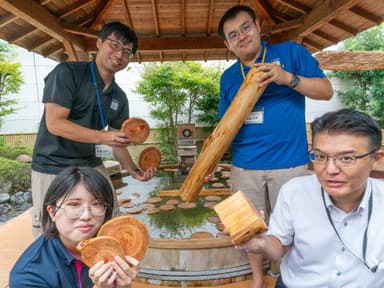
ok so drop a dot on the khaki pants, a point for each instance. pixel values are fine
(40, 184)
(262, 186)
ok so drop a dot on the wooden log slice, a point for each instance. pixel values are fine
(213, 219)
(210, 204)
(152, 211)
(135, 210)
(148, 206)
(135, 195)
(123, 200)
(201, 235)
(149, 158)
(212, 198)
(128, 205)
(167, 207)
(220, 227)
(131, 232)
(100, 248)
(186, 205)
(136, 129)
(153, 200)
(173, 201)
(217, 185)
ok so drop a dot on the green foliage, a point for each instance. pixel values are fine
(16, 172)
(11, 170)
(178, 91)
(11, 80)
(12, 152)
(366, 90)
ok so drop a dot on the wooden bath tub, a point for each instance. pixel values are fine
(193, 263)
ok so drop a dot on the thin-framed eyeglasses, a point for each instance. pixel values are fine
(75, 210)
(117, 47)
(245, 28)
(340, 160)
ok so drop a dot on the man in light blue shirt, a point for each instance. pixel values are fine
(327, 228)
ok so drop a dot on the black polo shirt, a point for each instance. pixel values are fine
(70, 85)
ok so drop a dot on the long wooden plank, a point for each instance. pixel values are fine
(218, 142)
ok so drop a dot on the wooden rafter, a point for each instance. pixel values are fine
(210, 17)
(182, 17)
(102, 10)
(327, 11)
(70, 50)
(33, 13)
(73, 8)
(127, 16)
(296, 6)
(155, 17)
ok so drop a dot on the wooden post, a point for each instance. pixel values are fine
(218, 142)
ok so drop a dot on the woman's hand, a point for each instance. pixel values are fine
(118, 273)
(126, 270)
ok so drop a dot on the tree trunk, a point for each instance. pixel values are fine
(218, 142)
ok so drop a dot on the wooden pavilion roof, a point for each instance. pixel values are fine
(177, 29)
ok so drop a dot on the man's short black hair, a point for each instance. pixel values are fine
(348, 121)
(122, 32)
(231, 14)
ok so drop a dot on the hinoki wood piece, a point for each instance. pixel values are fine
(218, 142)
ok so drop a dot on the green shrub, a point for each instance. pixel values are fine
(16, 172)
(13, 152)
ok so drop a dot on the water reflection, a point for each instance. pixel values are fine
(179, 223)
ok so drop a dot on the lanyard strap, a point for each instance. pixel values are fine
(99, 106)
(262, 61)
(365, 239)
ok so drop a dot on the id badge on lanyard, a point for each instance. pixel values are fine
(100, 149)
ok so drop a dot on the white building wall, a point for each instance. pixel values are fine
(36, 67)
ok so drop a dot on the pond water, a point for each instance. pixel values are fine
(178, 223)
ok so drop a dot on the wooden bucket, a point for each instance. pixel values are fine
(193, 263)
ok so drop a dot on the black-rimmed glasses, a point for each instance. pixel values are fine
(343, 159)
(233, 36)
(117, 47)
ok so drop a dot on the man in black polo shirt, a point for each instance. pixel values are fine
(82, 104)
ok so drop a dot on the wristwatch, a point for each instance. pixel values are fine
(294, 81)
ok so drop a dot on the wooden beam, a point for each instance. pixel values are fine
(22, 34)
(284, 26)
(74, 29)
(182, 17)
(366, 15)
(33, 13)
(323, 13)
(101, 11)
(176, 43)
(70, 51)
(6, 19)
(264, 10)
(127, 15)
(296, 6)
(325, 36)
(155, 17)
(210, 17)
(343, 27)
(70, 9)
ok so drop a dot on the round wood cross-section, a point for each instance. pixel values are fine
(136, 129)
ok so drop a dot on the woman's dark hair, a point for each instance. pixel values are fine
(231, 14)
(348, 121)
(63, 185)
(122, 32)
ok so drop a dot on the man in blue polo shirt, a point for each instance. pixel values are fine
(271, 146)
